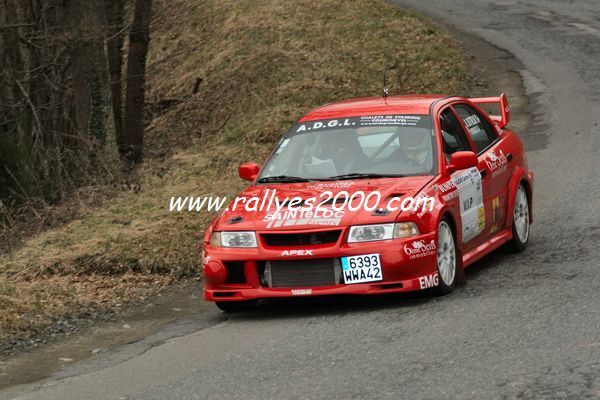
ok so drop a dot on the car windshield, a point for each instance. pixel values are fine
(349, 148)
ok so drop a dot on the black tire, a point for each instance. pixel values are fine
(446, 256)
(521, 214)
(236, 306)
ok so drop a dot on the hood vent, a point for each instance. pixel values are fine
(234, 220)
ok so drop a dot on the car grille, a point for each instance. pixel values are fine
(300, 239)
(300, 273)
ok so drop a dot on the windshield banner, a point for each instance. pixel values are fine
(421, 121)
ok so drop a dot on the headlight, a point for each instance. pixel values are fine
(233, 239)
(405, 229)
(370, 233)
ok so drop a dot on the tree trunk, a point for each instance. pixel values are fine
(132, 142)
(90, 74)
(55, 91)
(115, 11)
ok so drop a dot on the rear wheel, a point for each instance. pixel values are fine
(520, 226)
(236, 306)
(446, 258)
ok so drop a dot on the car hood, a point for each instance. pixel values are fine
(268, 218)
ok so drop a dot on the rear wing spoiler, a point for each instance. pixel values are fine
(502, 101)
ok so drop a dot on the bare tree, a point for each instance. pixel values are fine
(131, 143)
(54, 96)
(61, 82)
(115, 12)
(89, 68)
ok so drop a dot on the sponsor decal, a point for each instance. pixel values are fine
(450, 196)
(322, 125)
(497, 163)
(418, 249)
(446, 186)
(297, 253)
(429, 281)
(301, 292)
(481, 219)
(205, 258)
(298, 217)
(467, 204)
(464, 177)
(470, 194)
(471, 120)
(331, 185)
(368, 120)
(496, 214)
(499, 171)
(387, 120)
(448, 190)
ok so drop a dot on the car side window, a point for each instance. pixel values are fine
(453, 135)
(482, 133)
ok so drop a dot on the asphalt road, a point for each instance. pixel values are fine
(525, 326)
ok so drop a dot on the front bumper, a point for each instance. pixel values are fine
(402, 269)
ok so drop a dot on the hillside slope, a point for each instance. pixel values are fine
(226, 78)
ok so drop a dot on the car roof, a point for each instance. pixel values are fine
(415, 104)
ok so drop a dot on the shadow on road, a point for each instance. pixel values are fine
(490, 270)
(334, 305)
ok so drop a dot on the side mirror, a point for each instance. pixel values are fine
(248, 171)
(461, 160)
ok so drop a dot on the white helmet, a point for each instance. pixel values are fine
(416, 147)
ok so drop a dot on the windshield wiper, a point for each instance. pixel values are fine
(283, 179)
(356, 175)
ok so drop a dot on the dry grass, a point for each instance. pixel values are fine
(261, 65)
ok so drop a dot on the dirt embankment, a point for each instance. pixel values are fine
(226, 78)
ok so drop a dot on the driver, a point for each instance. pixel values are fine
(344, 150)
(415, 145)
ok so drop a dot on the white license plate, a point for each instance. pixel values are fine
(360, 269)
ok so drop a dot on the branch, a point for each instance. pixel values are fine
(33, 110)
(11, 26)
(118, 33)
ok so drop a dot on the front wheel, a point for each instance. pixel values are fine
(446, 258)
(236, 306)
(520, 226)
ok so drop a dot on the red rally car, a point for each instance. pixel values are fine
(391, 148)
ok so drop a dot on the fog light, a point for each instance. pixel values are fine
(214, 272)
